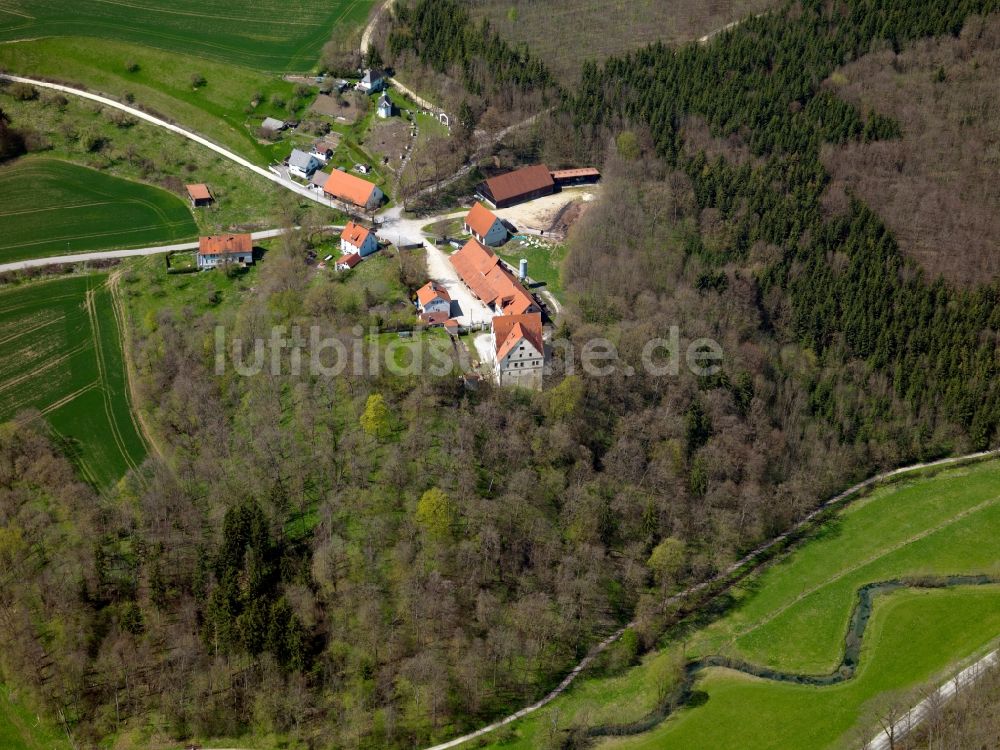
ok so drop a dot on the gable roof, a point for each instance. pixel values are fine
(301, 159)
(348, 187)
(372, 75)
(199, 192)
(350, 260)
(519, 182)
(355, 234)
(480, 219)
(489, 280)
(271, 123)
(319, 178)
(510, 330)
(430, 292)
(225, 244)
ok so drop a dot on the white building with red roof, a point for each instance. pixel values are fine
(358, 239)
(347, 262)
(485, 226)
(491, 281)
(519, 349)
(433, 298)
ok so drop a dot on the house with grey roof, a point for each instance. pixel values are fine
(303, 165)
(372, 81)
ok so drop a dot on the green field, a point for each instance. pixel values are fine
(264, 34)
(794, 617)
(20, 729)
(60, 353)
(50, 207)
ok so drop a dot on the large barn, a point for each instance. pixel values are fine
(521, 185)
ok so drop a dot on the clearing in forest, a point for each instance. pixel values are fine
(61, 354)
(52, 207)
(795, 616)
(567, 33)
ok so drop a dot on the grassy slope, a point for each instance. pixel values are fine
(794, 614)
(152, 155)
(264, 34)
(60, 352)
(20, 729)
(51, 207)
(163, 85)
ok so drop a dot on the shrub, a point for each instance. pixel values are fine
(23, 91)
(197, 80)
(132, 66)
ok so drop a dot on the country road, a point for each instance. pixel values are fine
(753, 558)
(159, 122)
(126, 253)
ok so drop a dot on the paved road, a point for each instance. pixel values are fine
(127, 253)
(942, 695)
(159, 122)
(752, 558)
(465, 308)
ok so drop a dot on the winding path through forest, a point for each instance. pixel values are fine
(750, 563)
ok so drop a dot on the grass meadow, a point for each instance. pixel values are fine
(52, 207)
(793, 616)
(263, 35)
(60, 353)
(21, 729)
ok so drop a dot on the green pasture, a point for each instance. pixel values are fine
(21, 729)
(51, 207)
(263, 35)
(794, 615)
(544, 260)
(60, 353)
(227, 108)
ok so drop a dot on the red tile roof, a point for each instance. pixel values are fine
(348, 188)
(489, 280)
(227, 244)
(434, 318)
(199, 192)
(519, 182)
(350, 260)
(355, 234)
(569, 174)
(510, 330)
(431, 291)
(480, 219)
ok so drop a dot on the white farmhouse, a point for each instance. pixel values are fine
(485, 226)
(358, 239)
(302, 165)
(519, 349)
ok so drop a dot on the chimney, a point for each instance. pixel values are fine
(522, 272)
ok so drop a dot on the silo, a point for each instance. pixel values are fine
(522, 272)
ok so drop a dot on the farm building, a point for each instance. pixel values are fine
(373, 80)
(358, 239)
(350, 189)
(301, 164)
(485, 226)
(384, 106)
(581, 176)
(433, 298)
(199, 195)
(519, 349)
(272, 123)
(220, 249)
(516, 187)
(347, 262)
(489, 280)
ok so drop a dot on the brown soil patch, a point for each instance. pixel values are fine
(348, 107)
